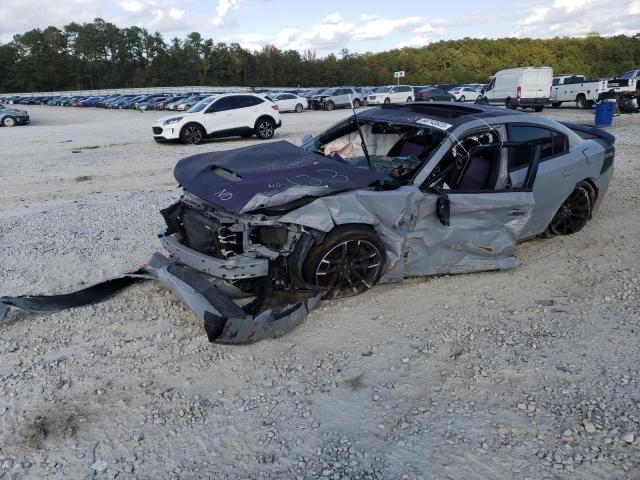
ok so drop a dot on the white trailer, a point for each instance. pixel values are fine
(576, 88)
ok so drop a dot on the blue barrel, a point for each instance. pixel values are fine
(604, 114)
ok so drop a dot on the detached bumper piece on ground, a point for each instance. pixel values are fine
(211, 299)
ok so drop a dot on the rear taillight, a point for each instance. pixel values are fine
(275, 107)
(518, 92)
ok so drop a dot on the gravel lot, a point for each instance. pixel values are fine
(531, 373)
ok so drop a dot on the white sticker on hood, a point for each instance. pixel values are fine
(429, 122)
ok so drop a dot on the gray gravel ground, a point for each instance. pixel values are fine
(531, 373)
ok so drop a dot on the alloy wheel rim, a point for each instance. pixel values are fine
(193, 135)
(9, 122)
(265, 129)
(349, 268)
(573, 214)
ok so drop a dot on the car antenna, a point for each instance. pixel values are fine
(362, 144)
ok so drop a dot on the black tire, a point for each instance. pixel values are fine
(462, 99)
(329, 106)
(556, 104)
(9, 122)
(349, 261)
(581, 102)
(192, 134)
(299, 108)
(538, 109)
(509, 104)
(387, 101)
(265, 128)
(356, 103)
(575, 212)
(408, 100)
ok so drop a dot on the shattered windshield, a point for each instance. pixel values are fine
(399, 151)
(201, 105)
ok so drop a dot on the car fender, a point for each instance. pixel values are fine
(193, 122)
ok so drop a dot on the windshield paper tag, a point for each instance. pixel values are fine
(435, 124)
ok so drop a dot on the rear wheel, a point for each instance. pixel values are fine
(192, 134)
(9, 122)
(539, 108)
(408, 100)
(581, 101)
(509, 104)
(299, 108)
(348, 262)
(356, 103)
(575, 212)
(265, 128)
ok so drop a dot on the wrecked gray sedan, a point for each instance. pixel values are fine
(261, 233)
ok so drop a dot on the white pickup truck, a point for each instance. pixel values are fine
(628, 82)
(576, 88)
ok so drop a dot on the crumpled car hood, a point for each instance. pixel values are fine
(262, 176)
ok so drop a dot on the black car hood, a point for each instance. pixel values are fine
(267, 175)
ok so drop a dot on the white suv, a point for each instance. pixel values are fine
(391, 94)
(225, 115)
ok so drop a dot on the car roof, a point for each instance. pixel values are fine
(415, 113)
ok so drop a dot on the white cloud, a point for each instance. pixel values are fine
(365, 18)
(175, 13)
(333, 18)
(131, 6)
(223, 9)
(573, 18)
(381, 28)
(417, 41)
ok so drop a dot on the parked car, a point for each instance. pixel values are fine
(464, 94)
(11, 117)
(335, 98)
(433, 94)
(225, 115)
(288, 224)
(289, 102)
(520, 87)
(576, 88)
(187, 104)
(391, 94)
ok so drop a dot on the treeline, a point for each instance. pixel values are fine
(101, 55)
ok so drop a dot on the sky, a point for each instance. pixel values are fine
(328, 26)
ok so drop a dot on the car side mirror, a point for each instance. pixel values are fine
(443, 209)
(306, 137)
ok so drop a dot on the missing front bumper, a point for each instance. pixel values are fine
(214, 301)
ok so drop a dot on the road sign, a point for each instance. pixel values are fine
(399, 74)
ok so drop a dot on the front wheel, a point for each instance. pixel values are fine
(265, 128)
(192, 134)
(509, 104)
(581, 102)
(538, 109)
(348, 262)
(575, 212)
(9, 122)
(299, 108)
(330, 106)
(408, 100)
(356, 103)
(387, 101)
(462, 99)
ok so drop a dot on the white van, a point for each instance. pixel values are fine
(520, 87)
(391, 94)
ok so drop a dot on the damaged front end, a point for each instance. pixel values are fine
(235, 271)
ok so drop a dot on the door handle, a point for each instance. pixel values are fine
(516, 213)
